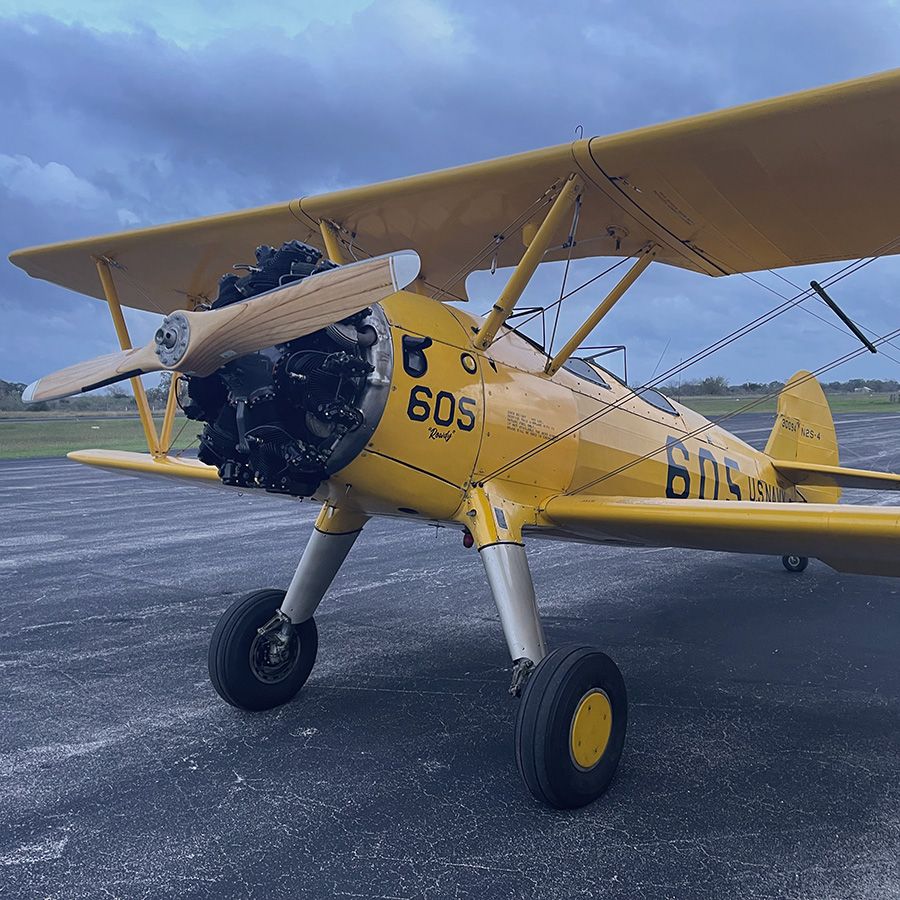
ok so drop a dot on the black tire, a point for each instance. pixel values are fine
(237, 661)
(794, 563)
(563, 683)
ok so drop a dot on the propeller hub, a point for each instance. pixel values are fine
(171, 338)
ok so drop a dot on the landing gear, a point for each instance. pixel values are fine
(570, 729)
(795, 563)
(264, 646)
(258, 659)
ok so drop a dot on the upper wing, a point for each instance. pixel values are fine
(863, 539)
(167, 267)
(799, 179)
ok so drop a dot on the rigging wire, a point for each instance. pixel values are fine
(827, 367)
(496, 242)
(540, 310)
(661, 357)
(134, 283)
(742, 331)
(822, 318)
(174, 440)
(827, 321)
(570, 243)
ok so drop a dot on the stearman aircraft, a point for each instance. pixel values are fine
(332, 367)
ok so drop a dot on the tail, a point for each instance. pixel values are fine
(804, 432)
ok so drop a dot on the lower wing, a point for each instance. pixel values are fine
(128, 463)
(861, 539)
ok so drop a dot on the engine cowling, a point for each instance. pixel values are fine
(288, 417)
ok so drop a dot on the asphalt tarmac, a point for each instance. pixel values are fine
(762, 760)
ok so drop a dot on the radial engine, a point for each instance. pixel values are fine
(288, 417)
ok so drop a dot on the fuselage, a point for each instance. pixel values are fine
(456, 417)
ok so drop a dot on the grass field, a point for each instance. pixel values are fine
(69, 414)
(57, 436)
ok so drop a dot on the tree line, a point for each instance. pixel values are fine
(718, 386)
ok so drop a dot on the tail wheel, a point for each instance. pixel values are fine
(256, 671)
(570, 729)
(795, 563)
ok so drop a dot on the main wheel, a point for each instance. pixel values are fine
(570, 729)
(794, 563)
(253, 671)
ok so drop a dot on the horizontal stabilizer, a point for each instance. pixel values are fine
(801, 473)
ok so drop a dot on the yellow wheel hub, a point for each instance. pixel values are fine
(591, 728)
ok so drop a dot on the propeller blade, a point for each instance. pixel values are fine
(94, 373)
(214, 337)
(199, 343)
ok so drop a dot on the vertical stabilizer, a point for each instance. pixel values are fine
(804, 431)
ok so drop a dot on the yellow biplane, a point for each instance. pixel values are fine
(332, 367)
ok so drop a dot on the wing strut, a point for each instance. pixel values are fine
(843, 316)
(140, 395)
(332, 241)
(529, 262)
(591, 322)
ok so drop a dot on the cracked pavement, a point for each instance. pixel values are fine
(762, 757)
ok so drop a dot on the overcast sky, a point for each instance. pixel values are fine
(118, 115)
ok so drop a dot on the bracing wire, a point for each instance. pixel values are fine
(495, 242)
(815, 315)
(542, 310)
(134, 283)
(742, 331)
(827, 367)
(570, 243)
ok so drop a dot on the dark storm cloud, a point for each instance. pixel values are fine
(106, 131)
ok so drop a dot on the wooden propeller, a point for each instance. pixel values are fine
(199, 343)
